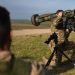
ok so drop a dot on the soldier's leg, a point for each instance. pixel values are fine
(51, 46)
(59, 55)
(60, 46)
(57, 58)
(56, 43)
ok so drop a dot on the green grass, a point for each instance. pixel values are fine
(33, 47)
(30, 46)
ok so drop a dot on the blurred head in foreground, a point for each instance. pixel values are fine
(5, 29)
(5, 38)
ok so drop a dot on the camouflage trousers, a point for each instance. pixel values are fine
(60, 46)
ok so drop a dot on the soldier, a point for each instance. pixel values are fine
(9, 65)
(60, 34)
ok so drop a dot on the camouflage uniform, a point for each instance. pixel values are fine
(9, 65)
(62, 38)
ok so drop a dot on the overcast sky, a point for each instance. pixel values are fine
(24, 9)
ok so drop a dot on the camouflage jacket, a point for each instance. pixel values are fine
(21, 67)
(57, 23)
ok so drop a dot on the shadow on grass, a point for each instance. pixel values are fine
(70, 48)
(65, 65)
(57, 70)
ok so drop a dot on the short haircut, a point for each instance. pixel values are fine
(59, 11)
(5, 28)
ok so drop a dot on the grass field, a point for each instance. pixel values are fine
(30, 46)
(33, 47)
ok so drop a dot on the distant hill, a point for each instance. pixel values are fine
(19, 24)
(21, 21)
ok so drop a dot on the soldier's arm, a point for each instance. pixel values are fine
(56, 21)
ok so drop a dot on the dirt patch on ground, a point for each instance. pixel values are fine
(30, 32)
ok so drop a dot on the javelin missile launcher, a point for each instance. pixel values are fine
(37, 19)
